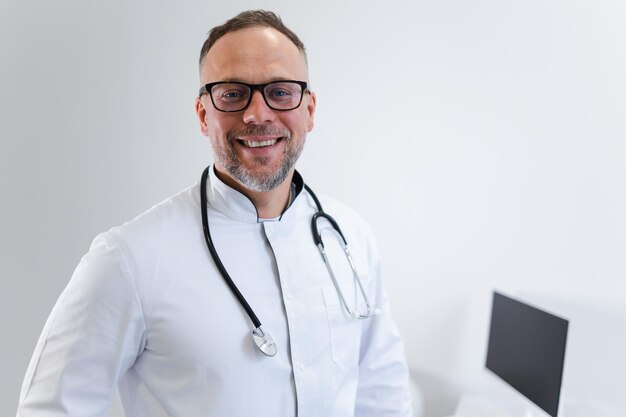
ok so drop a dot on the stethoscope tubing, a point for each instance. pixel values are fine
(262, 339)
(218, 262)
(215, 256)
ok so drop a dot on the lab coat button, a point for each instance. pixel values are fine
(301, 367)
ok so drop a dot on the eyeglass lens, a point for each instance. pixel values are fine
(279, 95)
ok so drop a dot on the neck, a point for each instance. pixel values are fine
(269, 204)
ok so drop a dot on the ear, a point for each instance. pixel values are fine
(310, 107)
(201, 112)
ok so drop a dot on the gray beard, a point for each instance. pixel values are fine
(226, 157)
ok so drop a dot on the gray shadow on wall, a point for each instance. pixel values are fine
(438, 395)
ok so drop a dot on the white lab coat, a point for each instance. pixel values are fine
(147, 309)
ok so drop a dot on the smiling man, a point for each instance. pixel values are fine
(257, 131)
(168, 306)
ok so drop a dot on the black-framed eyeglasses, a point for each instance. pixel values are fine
(230, 96)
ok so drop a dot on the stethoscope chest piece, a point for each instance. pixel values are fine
(264, 341)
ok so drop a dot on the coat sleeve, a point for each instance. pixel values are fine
(93, 335)
(383, 387)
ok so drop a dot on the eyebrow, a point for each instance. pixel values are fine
(241, 80)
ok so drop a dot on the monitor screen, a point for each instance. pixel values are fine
(526, 348)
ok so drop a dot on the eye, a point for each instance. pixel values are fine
(230, 93)
(233, 94)
(278, 92)
(282, 92)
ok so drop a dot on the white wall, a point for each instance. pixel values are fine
(483, 140)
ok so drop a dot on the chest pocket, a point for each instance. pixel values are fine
(344, 331)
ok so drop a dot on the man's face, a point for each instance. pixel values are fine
(256, 147)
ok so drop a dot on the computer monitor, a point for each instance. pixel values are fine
(526, 349)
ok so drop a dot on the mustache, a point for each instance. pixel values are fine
(260, 130)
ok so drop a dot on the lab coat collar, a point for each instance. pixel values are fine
(234, 205)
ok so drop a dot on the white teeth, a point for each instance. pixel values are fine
(258, 144)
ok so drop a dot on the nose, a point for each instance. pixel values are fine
(257, 111)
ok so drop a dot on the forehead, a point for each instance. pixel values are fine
(255, 55)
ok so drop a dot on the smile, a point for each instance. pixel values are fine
(259, 144)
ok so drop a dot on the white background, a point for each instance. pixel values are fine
(484, 140)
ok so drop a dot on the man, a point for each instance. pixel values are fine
(150, 308)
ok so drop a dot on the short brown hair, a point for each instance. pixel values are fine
(248, 19)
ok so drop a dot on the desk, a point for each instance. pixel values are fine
(474, 405)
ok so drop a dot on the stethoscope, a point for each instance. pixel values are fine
(262, 339)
